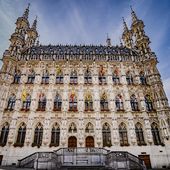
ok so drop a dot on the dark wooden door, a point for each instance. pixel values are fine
(1, 157)
(89, 141)
(72, 142)
(146, 159)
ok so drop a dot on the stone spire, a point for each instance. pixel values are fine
(141, 40)
(127, 35)
(26, 12)
(32, 34)
(133, 14)
(34, 25)
(108, 41)
(125, 28)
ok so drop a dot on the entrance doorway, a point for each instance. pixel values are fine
(146, 159)
(72, 142)
(89, 141)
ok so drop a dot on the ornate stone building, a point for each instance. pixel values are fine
(55, 96)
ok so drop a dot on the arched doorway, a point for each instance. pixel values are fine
(89, 141)
(72, 142)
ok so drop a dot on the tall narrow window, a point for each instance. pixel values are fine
(38, 135)
(129, 78)
(4, 134)
(73, 77)
(123, 135)
(102, 77)
(155, 134)
(72, 128)
(115, 77)
(139, 134)
(59, 76)
(149, 104)
(11, 102)
(106, 133)
(55, 135)
(88, 103)
(142, 78)
(57, 103)
(73, 102)
(21, 135)
(119, 103)
(17, 77)
(31, 77)
(134, 103)
(104, 102)
(41, 102)
(45, 77)
(87, 77)
(26, 98)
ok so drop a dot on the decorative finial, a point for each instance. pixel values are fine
(121, 44)
(108, 40)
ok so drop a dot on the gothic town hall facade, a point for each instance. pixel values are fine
(64, 96)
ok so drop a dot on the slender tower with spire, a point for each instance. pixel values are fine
(141, 40)
(32, 34)
(127, 36)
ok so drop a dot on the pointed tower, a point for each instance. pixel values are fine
(108, 41)
(32, 34)
(18, 37)
(141, 40)
(127, 36)
(17, 42)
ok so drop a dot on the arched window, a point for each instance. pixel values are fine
(134, 103)
(38, 135)
(104, 102)
(21, 135)
(148, 102)
(102, 77)
(115, 77)
(139, 134)
(4, 134)
(55, 135)
(57, 103)
(72, 128)
(119, 103)
(11, 102)
(142, 78)
(155, 134)
(88, 103)
(26, 101)
(73, 77)
(73, 103)
(89, 128)
(45, 77)
(31, 77)
(123, 135)
(59, 76)
(129, 78)
(42, 102)
(17, 76)
(106, 133)
(87, 77)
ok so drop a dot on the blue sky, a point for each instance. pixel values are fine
(89, 21)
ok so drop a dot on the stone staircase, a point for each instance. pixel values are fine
(82, 158)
